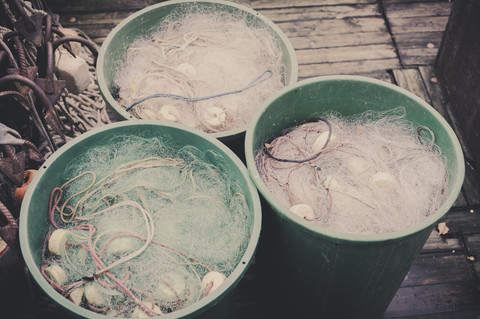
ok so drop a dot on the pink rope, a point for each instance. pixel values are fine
(146, 294)
(101, 265)
(53, 204)
(97, 309)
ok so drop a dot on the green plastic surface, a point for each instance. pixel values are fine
(329, 274)
(34, 212)
(142, 23)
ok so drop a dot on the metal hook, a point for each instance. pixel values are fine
(50, 114)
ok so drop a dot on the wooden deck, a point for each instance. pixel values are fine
(393, 40)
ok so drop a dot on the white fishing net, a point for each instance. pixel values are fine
(377, 173)
(209, 69)
(143, 223)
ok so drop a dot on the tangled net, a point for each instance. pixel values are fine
(144, 237)
(206, 69)
(372, 173)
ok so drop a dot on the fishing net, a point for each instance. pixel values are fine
(375, 172)
(139, 226)
(206, 69)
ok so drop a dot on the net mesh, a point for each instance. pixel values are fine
(144, 230)
(375, 173)
(197, 54)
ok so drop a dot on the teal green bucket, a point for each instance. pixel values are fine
(143, 22)
(34, 220)
(321, 273)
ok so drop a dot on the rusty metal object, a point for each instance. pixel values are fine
(27, 71)
(31, 74)
(29, 86)
(40, 78)
(52, 88)
(3, 54)
(36, 35)
(81, 40)
(20, 98)
(55, 30)
(50, 114)
(25, 103)
(33, 151)
(28, 23)
(66, 45)
(29, 26)
(13, 167)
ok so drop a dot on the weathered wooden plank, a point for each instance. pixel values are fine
(351, 67)
(431, 269)
(322, 12)
(83, 6)
(437, 243)
(81, 19)
(438, 299)
(417, 9)
(419, 39)
(285, 15)
(415, 57)
(379, 75)
(334, 40)
(418, 48)
(474, 314)
(386, 2)
(411, 80)
(414, 24)
(472, 243)
(340, 54)
(264, 4)
(323, 27)
(99, 40)
(464, 222)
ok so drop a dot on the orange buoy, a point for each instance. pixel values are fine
(27, 178)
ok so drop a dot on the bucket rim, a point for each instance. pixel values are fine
(223, 135)
(191, 310)
(353, 238)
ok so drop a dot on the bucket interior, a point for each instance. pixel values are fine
(143, 23)
(347, 96)
(34, 221)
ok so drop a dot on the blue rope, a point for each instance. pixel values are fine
(258, 80)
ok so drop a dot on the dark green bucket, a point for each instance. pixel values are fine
(329, 274)
(143, 23)
(34, 220)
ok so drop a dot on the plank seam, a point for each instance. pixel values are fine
(389, 30)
